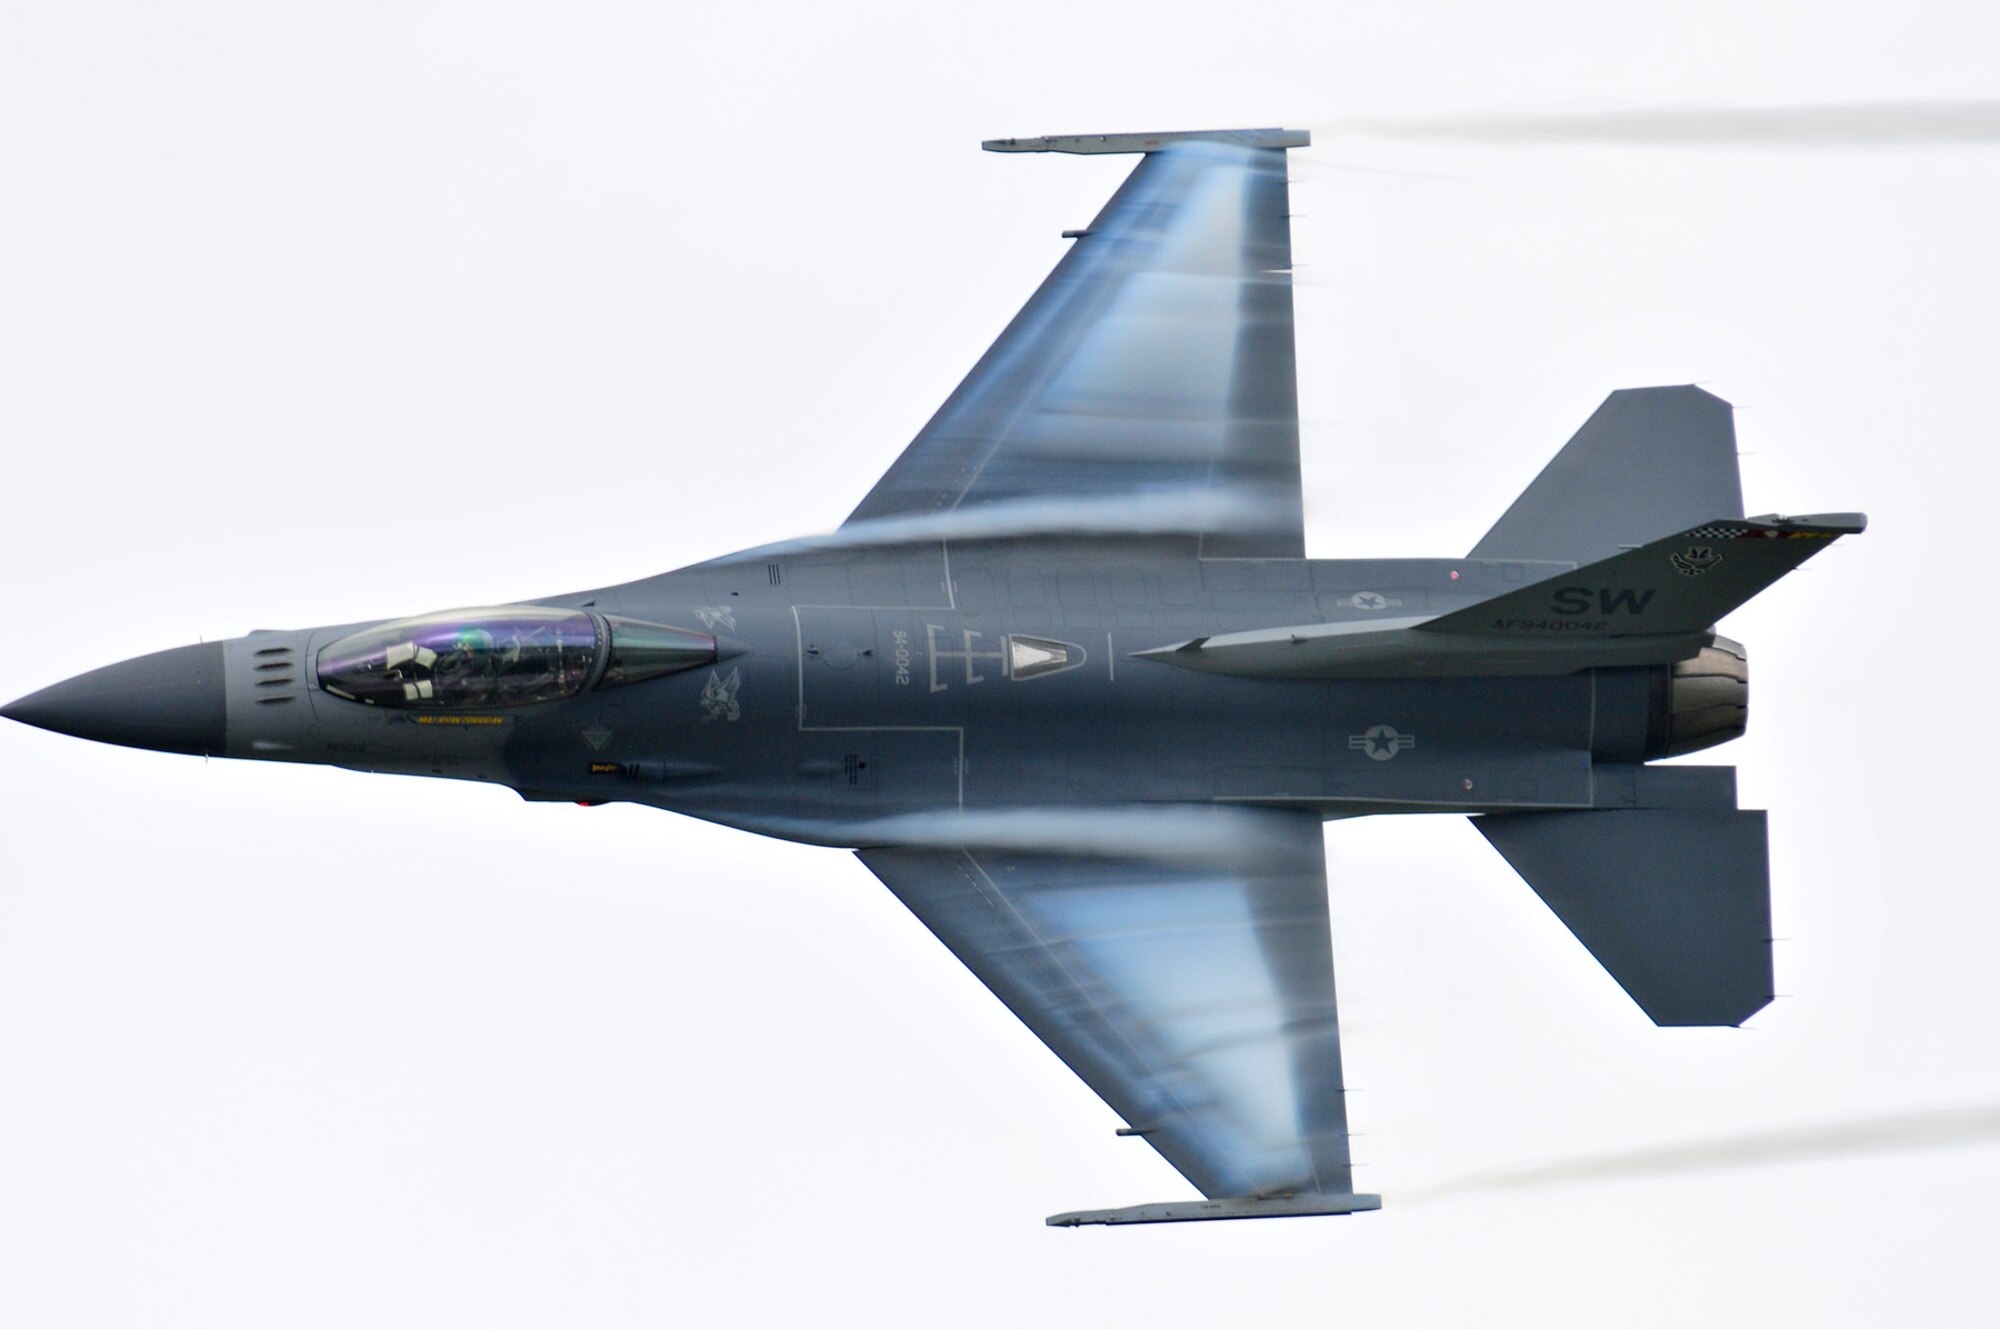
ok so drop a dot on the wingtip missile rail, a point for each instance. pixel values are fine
(1116, 143)
(1200, 1211)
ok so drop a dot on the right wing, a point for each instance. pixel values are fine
(1197, 1000)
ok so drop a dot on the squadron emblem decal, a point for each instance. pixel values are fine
(718, 696)
(1695, 561)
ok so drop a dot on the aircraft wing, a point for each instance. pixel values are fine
(1149, 387)
(1197, 1000)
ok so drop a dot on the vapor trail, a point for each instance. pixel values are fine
(1168, 833)
(1934, 1129)
(1827, 125)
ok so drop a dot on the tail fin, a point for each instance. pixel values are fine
(1652, 605)
(1650, 462)
(1678, 585)
(1673, 901)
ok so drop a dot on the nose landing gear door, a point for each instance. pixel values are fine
(840, 667)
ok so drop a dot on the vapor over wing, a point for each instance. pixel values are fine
(1153, 371)
(1197, 1001)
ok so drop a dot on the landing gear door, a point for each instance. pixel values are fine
(841, 668)
(858, 753)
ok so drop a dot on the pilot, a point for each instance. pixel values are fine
(466, 671)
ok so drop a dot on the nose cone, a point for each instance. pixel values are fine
(170, 701)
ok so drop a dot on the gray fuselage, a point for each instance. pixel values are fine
(860, 684)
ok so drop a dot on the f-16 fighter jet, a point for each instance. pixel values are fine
(1068, 684)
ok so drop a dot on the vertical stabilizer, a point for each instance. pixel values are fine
(1650, 462)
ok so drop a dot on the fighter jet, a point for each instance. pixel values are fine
(1067, 683)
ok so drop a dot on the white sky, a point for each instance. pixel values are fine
(312, 314)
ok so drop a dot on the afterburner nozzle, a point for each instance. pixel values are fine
(1701, 702)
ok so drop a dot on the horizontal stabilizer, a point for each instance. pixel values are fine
(1650, 461)
(1674, 902)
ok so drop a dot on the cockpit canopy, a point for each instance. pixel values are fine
(480, 659)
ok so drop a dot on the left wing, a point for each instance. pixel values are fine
(1149, 387)
(1196, 999)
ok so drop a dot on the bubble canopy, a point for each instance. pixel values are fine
(518, 655)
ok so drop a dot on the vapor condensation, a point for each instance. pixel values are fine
(1827, 125)
(1163, 511)
(1167, 833)
(1935, 1129)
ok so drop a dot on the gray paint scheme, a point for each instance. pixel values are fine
(1068, 685)
(1240, 999)
(1649, 462)
(1671, 897)
(169, 701)
(1156, 360)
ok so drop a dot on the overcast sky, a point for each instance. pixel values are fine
(311, 314)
